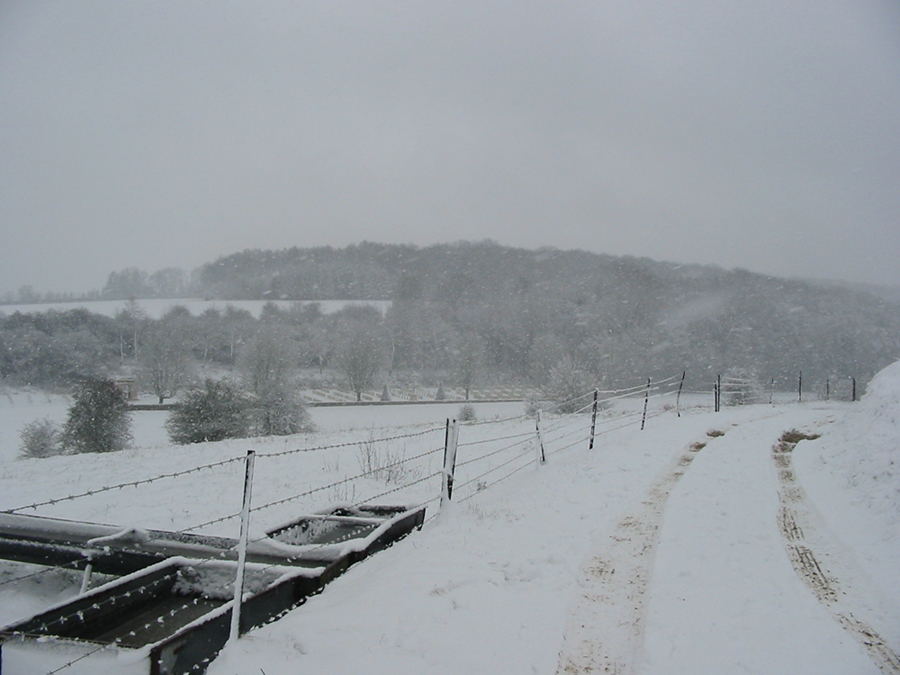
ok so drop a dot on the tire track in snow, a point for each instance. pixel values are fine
(605, 629)
(795, 521)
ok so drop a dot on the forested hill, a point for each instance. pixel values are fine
(612, 315)
(520, 315)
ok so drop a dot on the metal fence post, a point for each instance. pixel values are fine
(242, 549)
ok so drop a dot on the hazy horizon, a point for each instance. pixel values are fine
(764, 136)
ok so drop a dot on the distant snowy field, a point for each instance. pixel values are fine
(659, 551)
(157, 307)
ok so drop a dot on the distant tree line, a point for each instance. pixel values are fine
(462, 314)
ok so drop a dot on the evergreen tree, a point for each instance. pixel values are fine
(99, 419)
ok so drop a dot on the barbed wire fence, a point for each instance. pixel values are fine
(424, 466)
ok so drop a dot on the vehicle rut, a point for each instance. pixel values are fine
(605, 630)
(793, 521)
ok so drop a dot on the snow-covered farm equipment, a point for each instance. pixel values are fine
(169, 609)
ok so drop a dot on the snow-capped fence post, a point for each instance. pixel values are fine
(451, 439)
(646, 401)
(678, 396)
(594, 418)
(539, 437)
(242, 548)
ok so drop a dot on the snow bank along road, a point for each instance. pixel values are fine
(665, 551)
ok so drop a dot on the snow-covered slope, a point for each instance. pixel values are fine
(683, 548)
(852, 475)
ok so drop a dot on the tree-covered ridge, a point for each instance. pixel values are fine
(504, 314)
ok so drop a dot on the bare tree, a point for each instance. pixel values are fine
(164, 358)
(569, 386)
(469, 360)
(359, 356)
(131, 321)
(266, 362)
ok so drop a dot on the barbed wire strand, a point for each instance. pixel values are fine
(341, 481)
(348, 444)
(464, 484)
(373, 497)
(120, 486)
(494, 440)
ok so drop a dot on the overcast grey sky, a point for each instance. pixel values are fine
(763, 135)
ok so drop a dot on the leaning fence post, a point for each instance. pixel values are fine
(242, 548)
(541, 457)
(451, 440)
(646, 401)
(678, 397)
(593, 418)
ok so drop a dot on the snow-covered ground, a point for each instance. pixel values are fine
(154, 308)
(700, 544)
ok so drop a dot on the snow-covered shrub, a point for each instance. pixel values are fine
(466, 413)
(741, 386)
(570, 386)
(280, 413)
(99, 419)
(41, 438)
(217, 411)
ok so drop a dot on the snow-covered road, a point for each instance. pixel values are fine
(652, 555)
(724, 595)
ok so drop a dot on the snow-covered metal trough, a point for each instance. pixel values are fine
(173, 614)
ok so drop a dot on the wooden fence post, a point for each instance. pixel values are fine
(854, 388)
(539, 435)
(646, 401)
(451, 439)
(678, 397)
(594, 418)
(242, 548)
(717, 392)
(800, 388)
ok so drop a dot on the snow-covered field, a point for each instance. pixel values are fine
(698, 545)
(155, 308)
